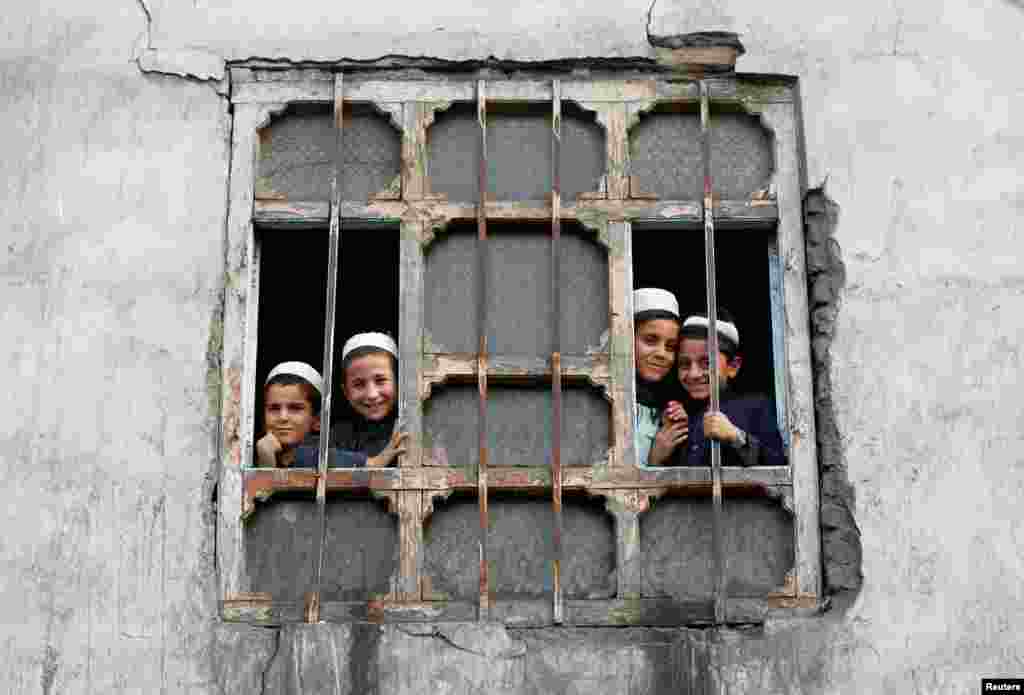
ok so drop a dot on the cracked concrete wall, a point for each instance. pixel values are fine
(112, 262)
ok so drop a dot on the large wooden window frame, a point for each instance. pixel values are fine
(260, 93)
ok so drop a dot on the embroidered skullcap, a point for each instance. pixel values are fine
(726, 329)
(375, 340)
(655, 299)
(299, 369)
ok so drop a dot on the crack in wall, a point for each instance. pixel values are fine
(826, 276)
(434, 632)
(270, 660)
(149, 22)
(196, 65)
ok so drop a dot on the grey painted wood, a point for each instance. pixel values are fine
(779, 345)
(518, 304)
(520, 549)
(296, 154)
(621, 343)
(316, 86)
(239, 359)
(518, 151)
(360, 549)
(410, 407)
(665, 155)
(280, 547)
(733, 215)
(676, 553)
(519, 425)
(781, 120)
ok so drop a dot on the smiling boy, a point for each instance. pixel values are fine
(655, 340)
(291, 412)
(369, 366)
(745, 424)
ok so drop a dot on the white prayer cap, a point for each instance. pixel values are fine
(375, 340)
(654, 299)
(726, 329)
(300, 369)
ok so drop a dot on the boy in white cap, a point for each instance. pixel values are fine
(291, 418)
(745, 424)
(369, 365)
(655, 340)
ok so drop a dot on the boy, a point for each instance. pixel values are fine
(291, 417)
(655, 340)
(745, 425)
(369, 367)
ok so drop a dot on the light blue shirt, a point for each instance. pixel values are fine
(647, 424)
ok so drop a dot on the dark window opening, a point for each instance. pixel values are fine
(673, 259)
(293, 275)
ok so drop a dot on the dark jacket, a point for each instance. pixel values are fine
(354, 441)
(754, 414)
(307, 455)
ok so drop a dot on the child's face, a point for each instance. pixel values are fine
(655, 343)
(288, 414)
(370, 385)
(694, 372)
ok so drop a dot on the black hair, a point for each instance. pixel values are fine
(653, 315)
(725, 344)
(312, 394)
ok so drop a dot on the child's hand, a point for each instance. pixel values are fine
(267, 450)
(718, 426)
(396, 446)
(672, 433)
(674, 411)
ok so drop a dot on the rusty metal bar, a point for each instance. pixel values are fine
(556, 347)
(334, 244)
(713, 406)
(481, 359)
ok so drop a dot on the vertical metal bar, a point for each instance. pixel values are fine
(709, 260)
(481, 359)
(312, 612)
(556, 345)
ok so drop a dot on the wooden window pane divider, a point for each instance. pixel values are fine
(260, 609)
(259, 484)
(730, 214)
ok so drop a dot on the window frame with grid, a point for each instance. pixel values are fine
(261, 92)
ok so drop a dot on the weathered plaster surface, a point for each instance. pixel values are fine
(112, 267)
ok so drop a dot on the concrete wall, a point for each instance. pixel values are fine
(112, 263)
